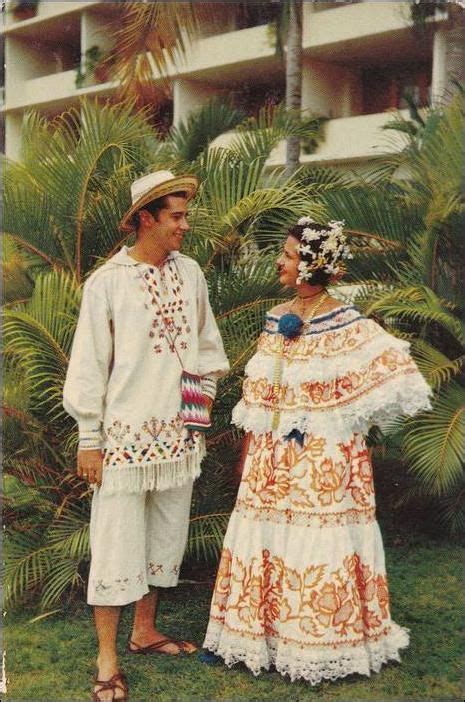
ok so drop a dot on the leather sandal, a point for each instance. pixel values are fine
(116, 682)
(155, 648)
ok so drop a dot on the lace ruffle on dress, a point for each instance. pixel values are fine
(302, 580)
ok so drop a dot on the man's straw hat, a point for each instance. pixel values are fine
(154, 185)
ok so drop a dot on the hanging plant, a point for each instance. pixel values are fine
(94, 69)
(24, 9)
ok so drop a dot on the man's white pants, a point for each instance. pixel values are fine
(136, 540)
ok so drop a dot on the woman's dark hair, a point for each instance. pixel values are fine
(155, 206)
(319, 277)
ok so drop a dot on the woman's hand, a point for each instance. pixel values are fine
(246, 445)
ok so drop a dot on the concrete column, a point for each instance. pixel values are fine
(439, 74)
(189, 96)
(94, 32)
(13, 123)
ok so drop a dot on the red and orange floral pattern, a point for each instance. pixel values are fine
(308, 484)
(314, 605)
(335, 340)
(329, 394)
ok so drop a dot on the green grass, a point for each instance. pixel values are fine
(52, 659)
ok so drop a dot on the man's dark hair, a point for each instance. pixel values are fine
(319, 277)
(155, 206)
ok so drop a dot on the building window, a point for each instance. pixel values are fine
(251, 97)
(394, 87)
(253, 14)
(319, 5)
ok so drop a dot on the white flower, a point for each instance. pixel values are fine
(304, 249)
(311, 234)
(305, 220)
(331, 248)
(338, 225)
(330, 268)
(331, 245)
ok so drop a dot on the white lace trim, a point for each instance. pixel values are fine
(313, 663)
(152, 476)
(322, 367)
(406, 395)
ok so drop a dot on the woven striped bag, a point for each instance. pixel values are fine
(194, 410)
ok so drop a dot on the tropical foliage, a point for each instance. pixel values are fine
(63, 201)
(413, 201)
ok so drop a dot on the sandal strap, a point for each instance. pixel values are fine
(182, 645)
(117, 681)
(150, 647)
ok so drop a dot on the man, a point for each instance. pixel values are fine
(145, 317)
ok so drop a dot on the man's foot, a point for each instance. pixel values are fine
(160, 644)
(113, 689)
(110, 684)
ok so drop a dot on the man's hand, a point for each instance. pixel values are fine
(208, 403)
(90, 466)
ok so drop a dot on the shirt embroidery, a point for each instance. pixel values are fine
(170, 328)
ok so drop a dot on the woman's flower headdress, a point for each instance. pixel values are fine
(331, 252)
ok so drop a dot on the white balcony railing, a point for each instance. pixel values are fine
(348, 139)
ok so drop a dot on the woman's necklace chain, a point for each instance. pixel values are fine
(314, 308)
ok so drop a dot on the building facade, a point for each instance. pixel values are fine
(360, 60)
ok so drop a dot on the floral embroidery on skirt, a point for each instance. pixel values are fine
(302, 582)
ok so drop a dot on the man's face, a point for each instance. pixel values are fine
(171, 225)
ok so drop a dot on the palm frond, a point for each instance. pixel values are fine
(28, 561)
(17, 279)
(40, 338)
(201, 127)
(85, 156)
(206, 535)
(418, 304)
(150, 37)
(258, 136)
(434, 441)
(435, 366)
(63, 575)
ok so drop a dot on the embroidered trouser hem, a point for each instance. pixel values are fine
(137, 541)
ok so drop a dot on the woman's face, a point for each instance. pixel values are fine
(287, 263)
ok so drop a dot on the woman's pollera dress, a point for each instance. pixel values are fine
(302, 581)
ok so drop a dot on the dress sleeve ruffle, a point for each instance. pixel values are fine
(350, 373)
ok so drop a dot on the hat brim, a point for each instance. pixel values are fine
(187, 184)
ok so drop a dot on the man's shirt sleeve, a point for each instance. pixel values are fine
(89, 367)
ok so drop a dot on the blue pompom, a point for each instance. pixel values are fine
(290, 325)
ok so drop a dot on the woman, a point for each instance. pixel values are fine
(302, 582)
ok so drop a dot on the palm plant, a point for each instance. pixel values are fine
(62, 205)
(64, 198)
(412, 201)
(150, 37)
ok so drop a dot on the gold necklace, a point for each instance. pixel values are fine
(313, 310)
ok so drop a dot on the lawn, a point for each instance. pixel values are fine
(52, 659)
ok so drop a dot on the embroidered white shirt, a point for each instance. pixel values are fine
(123, 380)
